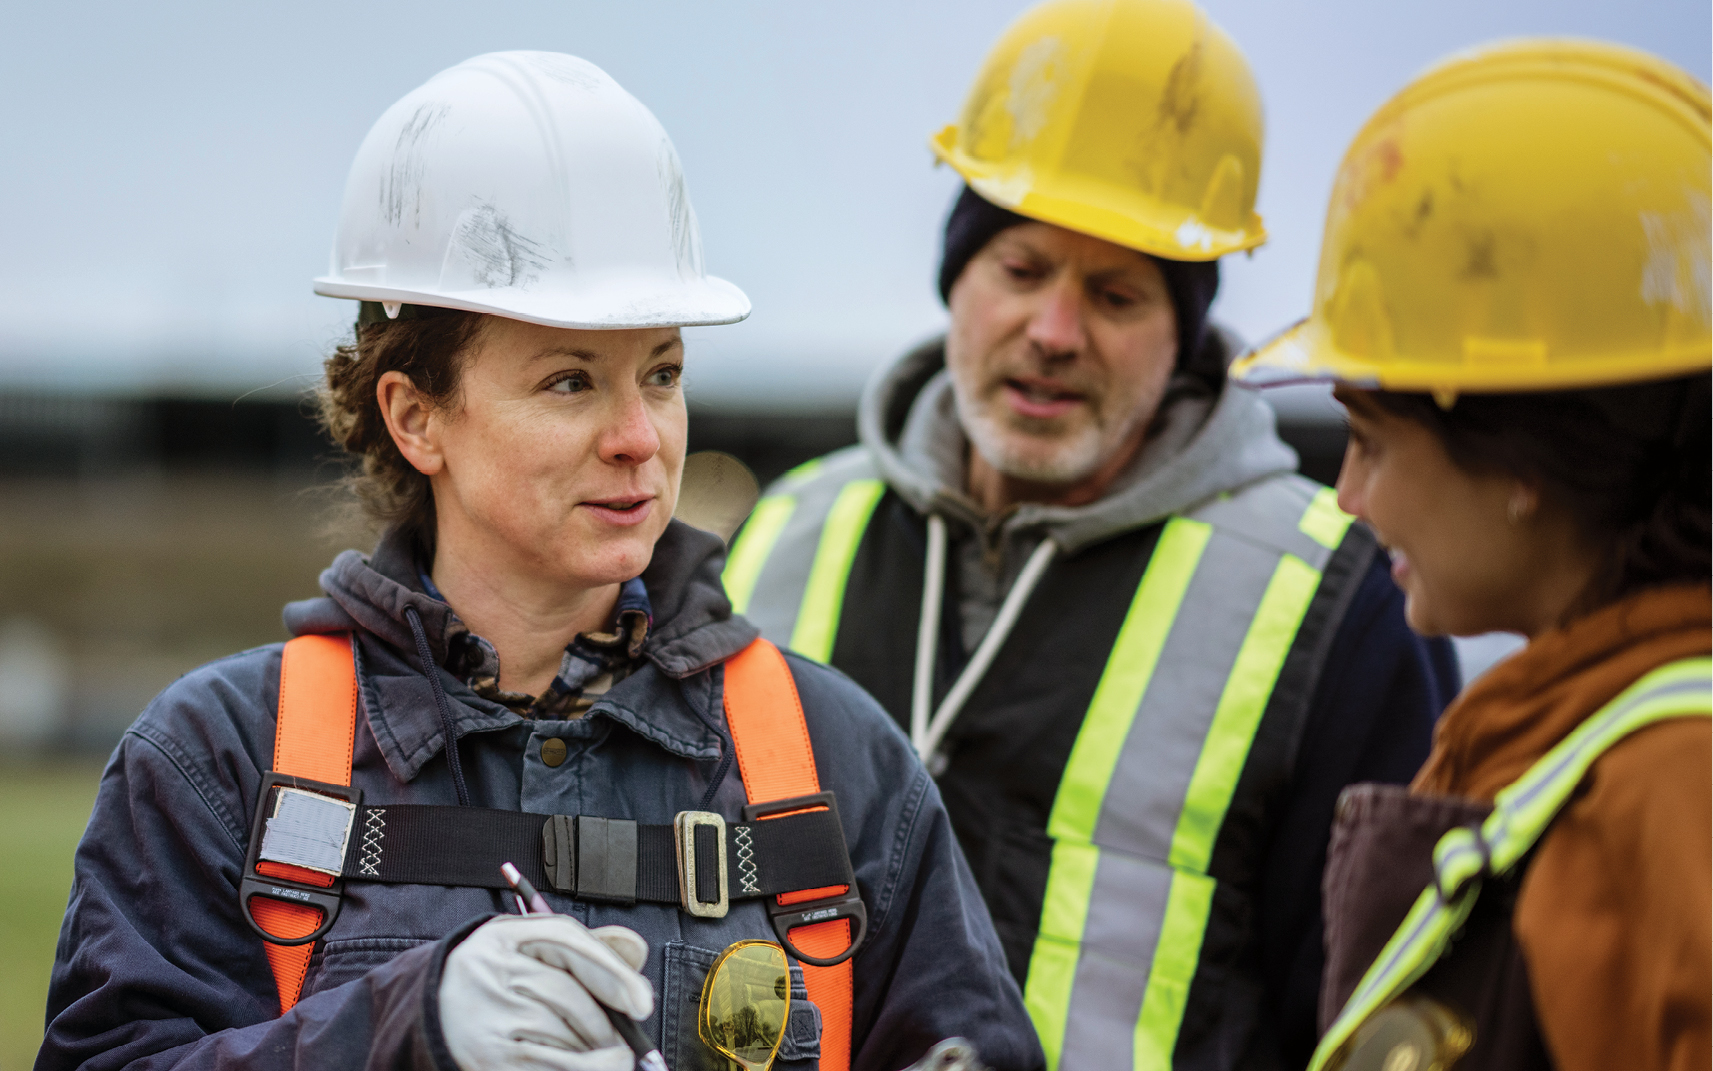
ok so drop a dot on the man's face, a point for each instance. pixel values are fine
(1060, 348)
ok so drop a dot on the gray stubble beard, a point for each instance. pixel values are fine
(1070, 463)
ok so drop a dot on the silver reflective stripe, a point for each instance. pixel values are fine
(778, 589)
(1145, 793)
(1144, 799)
(1120, 939)
(1144, 804)
(1314, 531)
(309, 830)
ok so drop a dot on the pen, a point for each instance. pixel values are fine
(530, 902)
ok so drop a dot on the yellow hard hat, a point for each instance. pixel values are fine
(1532, 215)
(1136, 121)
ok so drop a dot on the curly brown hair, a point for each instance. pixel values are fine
(431, 347)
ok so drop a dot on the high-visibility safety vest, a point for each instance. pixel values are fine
(1522, 811)
(314, 740)
(1189, 736)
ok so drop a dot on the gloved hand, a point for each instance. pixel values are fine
(516, 994)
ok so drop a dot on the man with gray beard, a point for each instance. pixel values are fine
(1140, 655)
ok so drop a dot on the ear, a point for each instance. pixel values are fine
(410, 421)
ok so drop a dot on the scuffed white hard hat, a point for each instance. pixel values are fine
(529, 185)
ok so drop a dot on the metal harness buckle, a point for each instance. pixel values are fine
(684, 826)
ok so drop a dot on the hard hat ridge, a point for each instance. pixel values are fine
(528, 185)
(1136, 121)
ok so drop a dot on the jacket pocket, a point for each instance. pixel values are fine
(340, 961)
(686, 968)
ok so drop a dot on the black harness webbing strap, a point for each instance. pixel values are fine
(592, 858)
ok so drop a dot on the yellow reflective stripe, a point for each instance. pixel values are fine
(1522, 811)
(824, 595)
(1323, 521)
(1175, 958)
(804, 471)
(1674, 690)
(1129, 667)
(755, 543)
(1053, 963)
(1244, 699)
(1212, 786)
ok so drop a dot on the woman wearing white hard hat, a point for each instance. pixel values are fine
(296, 856)
(1513, 301)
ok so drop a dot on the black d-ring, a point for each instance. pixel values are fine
(787, 917)
(328, 900)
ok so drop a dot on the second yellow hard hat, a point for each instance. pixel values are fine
(1136, 121)
(1531, 215)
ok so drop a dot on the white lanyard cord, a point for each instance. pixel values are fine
(928, 633)
(925, 734)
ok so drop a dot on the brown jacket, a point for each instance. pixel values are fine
(1613, 916)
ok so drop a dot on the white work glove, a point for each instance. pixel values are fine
(516, 994)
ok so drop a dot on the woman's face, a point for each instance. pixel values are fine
(1472, 552)
(561, 456)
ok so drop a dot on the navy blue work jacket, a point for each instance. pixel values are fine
(157, 969)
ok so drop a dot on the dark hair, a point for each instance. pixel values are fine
(974, 221)
(428, 345)
(1630, 463)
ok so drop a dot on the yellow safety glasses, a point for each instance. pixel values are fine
(746, 1002)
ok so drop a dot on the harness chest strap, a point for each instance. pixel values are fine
(785, 843)
(1520, 817)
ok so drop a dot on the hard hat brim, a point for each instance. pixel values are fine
(1186, 239)
(619, 305)
(1303, 354)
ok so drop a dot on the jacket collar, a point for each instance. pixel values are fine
(694, 630)
(1516, 712)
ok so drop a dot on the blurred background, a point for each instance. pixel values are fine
(170, 184)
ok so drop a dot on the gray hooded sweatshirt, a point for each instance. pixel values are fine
(1369, 718)
(1203, 444)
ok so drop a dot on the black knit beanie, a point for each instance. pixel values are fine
(974, 221)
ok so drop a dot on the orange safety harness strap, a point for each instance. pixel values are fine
(772, 743)
(317, 726)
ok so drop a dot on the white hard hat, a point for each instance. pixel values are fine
(529, 185)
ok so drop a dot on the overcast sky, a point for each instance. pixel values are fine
(172, 171)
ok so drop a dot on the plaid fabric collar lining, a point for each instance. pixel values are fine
(592, 664)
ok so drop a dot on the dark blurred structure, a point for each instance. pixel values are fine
(76, 436)
(141, 537)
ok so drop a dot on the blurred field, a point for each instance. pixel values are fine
(43, 810)
(120, 586)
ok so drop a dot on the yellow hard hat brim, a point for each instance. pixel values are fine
(1303, 354)
(1190, 240)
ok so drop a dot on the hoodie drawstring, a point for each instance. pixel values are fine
(926, 734)
(431, 670)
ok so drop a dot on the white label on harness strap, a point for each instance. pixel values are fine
(308, 830)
